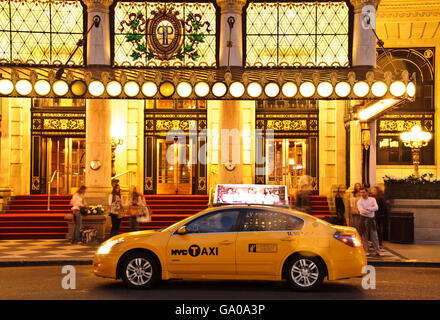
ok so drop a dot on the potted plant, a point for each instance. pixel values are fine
(95, 219)
(412, 187)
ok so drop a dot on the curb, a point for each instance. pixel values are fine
(30, 263)
(408, 263)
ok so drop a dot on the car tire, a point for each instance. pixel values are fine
(305, 273)
(140, 271)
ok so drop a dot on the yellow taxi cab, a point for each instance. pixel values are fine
(235, 241)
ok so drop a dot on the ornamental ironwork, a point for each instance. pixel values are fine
(297, 34)
(41, 32)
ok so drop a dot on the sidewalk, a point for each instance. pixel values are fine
(15, 253)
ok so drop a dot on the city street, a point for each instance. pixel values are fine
(46, 283)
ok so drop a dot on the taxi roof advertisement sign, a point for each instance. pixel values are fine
(251, 194)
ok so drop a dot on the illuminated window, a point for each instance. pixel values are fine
(297, 34)
(41, 32)
(123, 49)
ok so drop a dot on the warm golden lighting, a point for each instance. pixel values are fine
(411, 89)
(96, 88)
(166, 89)
(184, 89)
(379, 89)
(325, 89)
(78, 88)
(6, 86)
(272, 89)
(254, 89)
(361, 89)
(60, 88)
(307, 89)
(131, 88)
(416, 139)
(23, 87)
(149, 89)
(343, 89)
(201, 89)
(219, 89)
(236, 89)
(376, 108)
(289, 89)
(397, 88)
(113, 88)
(42, 87)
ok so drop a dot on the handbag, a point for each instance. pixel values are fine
(134, 210)
(83, 211)
(145, 216)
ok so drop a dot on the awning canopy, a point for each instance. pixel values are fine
(235, 83)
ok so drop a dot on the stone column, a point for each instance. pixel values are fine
(98, 114)
(364, 40)
(372, 173)
(229, 116)
(355, 153)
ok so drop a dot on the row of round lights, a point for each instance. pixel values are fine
(201, 89)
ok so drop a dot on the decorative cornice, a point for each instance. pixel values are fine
(358, 4)
(231, 6)
(98, 5)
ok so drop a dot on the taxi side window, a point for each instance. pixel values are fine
(264, 220)
(223, 221)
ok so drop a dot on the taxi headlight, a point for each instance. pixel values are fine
(106, 247)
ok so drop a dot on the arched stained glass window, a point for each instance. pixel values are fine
(41, 32)
(297, 34)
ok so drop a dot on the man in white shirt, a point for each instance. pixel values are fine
(367, 225)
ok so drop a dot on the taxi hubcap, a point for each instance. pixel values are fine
(139, 271)
(304, 272)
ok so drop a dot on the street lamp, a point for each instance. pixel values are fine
(115, 144)
(416, 139)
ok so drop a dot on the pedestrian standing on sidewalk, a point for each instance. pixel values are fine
(354, 216)
(116, 209)
(340, 207)
(77, 203)
(136, 202)
(367, 207)
(381, 214)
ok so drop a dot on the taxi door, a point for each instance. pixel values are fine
(264, 239)
(207, 247)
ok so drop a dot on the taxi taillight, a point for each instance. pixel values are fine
(350, 239)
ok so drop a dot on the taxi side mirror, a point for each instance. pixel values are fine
(181, 230)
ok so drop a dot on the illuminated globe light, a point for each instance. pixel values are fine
(272, 89)
(307, 89)
(342, 89)
(131, 88)
(254, 89)
(236, 89)
(23, 87)
(289, 89)
(78, 88)
(42, 87)
(416, 138)
(219, 89)
(397, 88)
(166, 89)
(113, 88)
(6, 86)
(325, 89)
(184, 89)
(411, 89)
(201, 89)
(361, 89)
(149, 89)
(60, 87)
(96, 88)
(379, 89)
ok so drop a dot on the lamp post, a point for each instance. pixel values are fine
(416, 139)
(115, 144)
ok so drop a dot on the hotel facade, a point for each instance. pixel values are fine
(174, 97)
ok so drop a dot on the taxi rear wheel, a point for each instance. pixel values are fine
(305, 273)
(140, 271)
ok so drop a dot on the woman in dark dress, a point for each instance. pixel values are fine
(381, 215)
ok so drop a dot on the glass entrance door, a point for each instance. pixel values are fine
(286, 162)
(65, 159)
(174, 168)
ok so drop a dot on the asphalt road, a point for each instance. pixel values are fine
(45, 283)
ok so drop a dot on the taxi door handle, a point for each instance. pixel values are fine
(287, 239)
(226, 242)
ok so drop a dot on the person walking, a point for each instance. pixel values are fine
(77, 203)
(340, 207)
(354, 216)
(367, 207)
(136, 204)
(116, 209)
(381, 214)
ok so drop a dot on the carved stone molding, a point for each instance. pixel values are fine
(98, 5)
(231, 6)
(358, 4)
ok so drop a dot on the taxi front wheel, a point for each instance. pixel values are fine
(140, 271)
(305, 273)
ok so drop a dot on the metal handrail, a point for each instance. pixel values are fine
(48, 188)
(121, 174)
